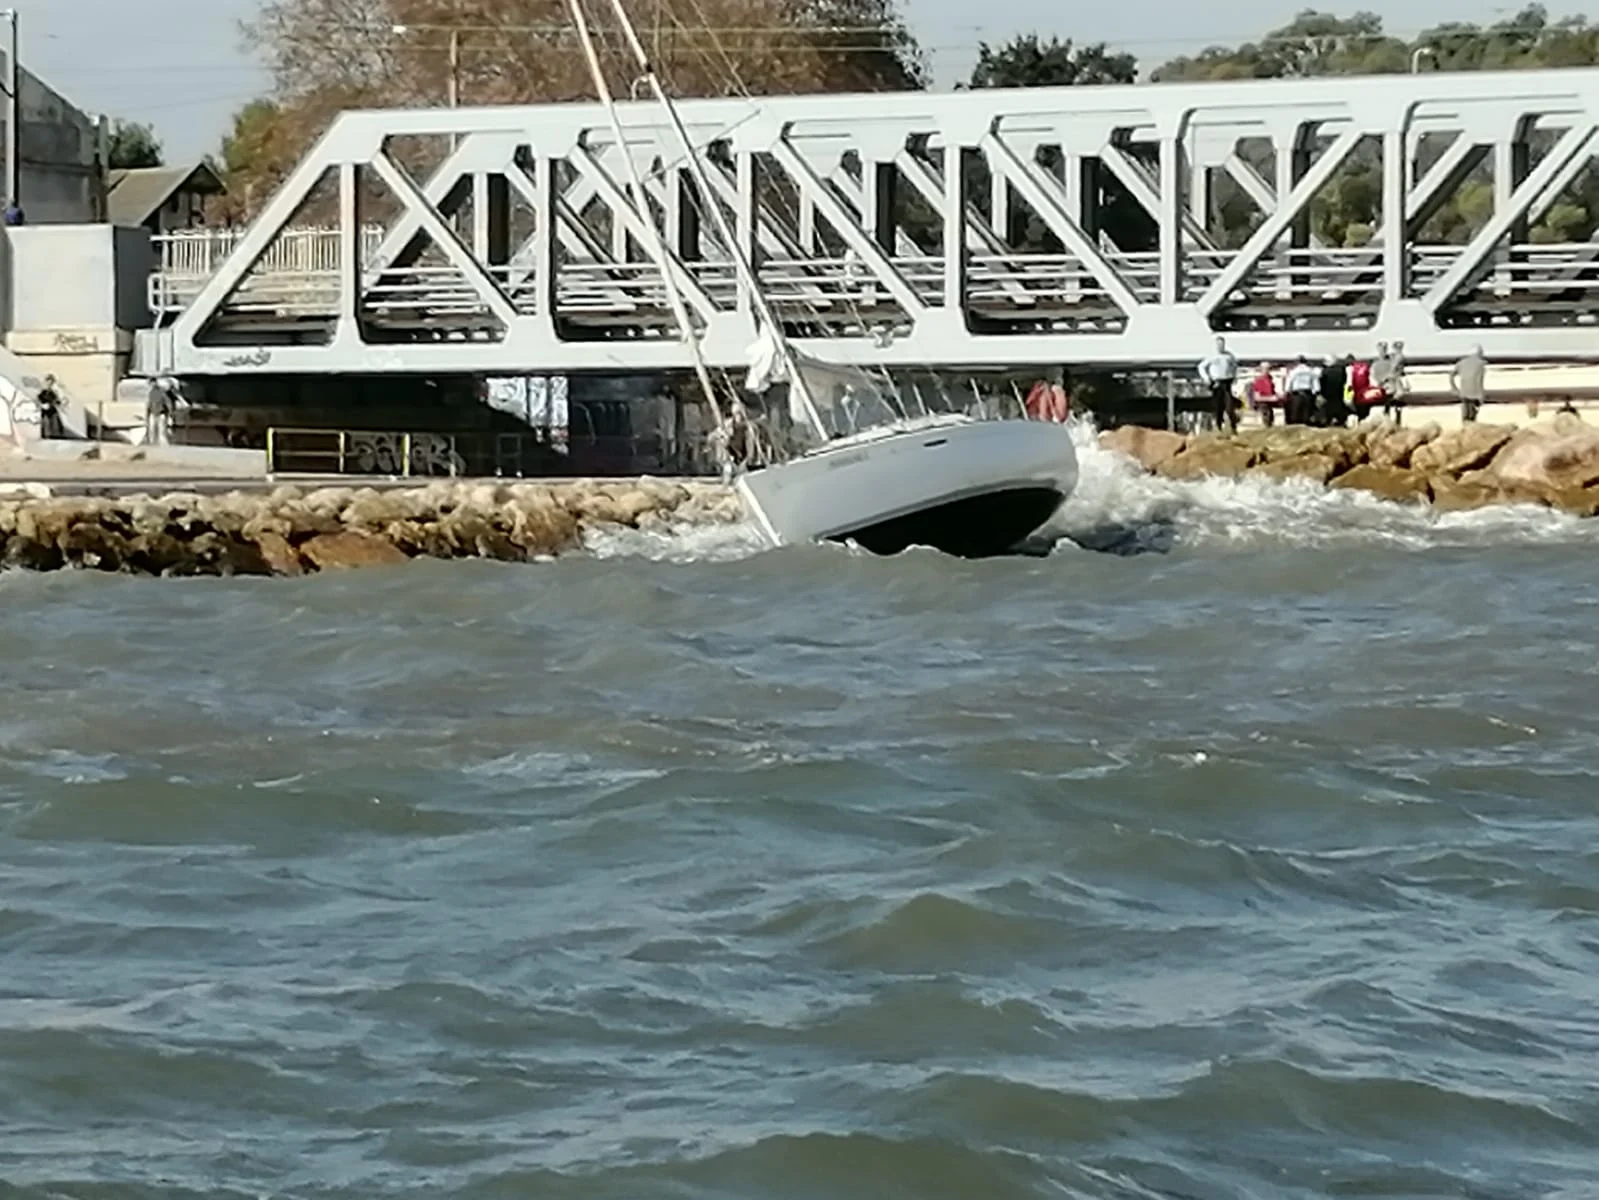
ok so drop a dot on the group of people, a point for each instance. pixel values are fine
(1330, 392)
(1322, 394)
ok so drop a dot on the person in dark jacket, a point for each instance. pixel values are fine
(50, 425)
(1334, 375)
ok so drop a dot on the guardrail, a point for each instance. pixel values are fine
(300, 278)
(404, 455)
(476, 455)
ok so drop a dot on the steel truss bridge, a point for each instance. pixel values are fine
(961, 230)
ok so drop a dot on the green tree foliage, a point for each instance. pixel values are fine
(1028, 61)
(1317, 44)
(132, 145)
(257, 154)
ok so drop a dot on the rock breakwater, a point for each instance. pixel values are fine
(296, 531)
(1555, 464)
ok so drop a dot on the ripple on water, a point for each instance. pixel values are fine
(1250, 857)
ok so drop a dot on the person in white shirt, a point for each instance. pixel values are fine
(1219, 372)
(1303, 382)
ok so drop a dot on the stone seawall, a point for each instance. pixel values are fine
(297, 531)
(1554, 464)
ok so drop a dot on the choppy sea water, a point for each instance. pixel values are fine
(1246, 846)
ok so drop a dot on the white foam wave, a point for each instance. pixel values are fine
(1117, 507)
(678, 542)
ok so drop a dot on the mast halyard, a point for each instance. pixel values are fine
(657, 243)
(741, 265)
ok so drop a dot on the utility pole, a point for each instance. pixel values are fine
(13, 112)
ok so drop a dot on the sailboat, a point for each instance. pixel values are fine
(853, 461)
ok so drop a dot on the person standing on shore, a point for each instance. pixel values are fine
(1362, 395)
(1263, 396)
(50, 425)
(1219, 372)
(1303, 383)
(1382, 377)
(1469, 381)
(1330, 402)
(1401, 385)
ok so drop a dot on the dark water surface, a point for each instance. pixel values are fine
(1263, 866)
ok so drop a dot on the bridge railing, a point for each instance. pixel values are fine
(298, 276)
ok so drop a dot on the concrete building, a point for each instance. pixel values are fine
(61, 151)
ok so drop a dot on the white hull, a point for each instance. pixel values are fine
(953, 483)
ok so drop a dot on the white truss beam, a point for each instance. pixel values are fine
(1558, 168)
(574, 296)
(1277, 224)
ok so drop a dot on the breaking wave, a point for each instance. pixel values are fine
(1117, 508)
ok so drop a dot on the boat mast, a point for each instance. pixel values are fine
(657, 243)
(741, 265)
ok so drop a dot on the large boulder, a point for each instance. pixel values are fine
(370, 509)
(279, 557)
(1577, 501)
(1345, 447)
(1450, 494)
(333, 551)
(1149, 448)
(1319, 467)
(1389, 483)
(1550, 458)
(89, 544)
(1211, 457)
(1461, 450)
(231, 512)
(540, 526)
(1394, 447)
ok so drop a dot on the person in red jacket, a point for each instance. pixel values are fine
(1362, 396)
(1263, 395)
(1048, 402)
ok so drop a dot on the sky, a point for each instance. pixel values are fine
(178, 65)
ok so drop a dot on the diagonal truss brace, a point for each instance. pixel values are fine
(1024, 178)
(1288, 208)
(623, 210)
(1553, 174)
(1147, 192)
(406, 191)
(257, 240)
(848, 228)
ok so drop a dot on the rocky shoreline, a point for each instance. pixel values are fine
(298, 531)
(1555, 464)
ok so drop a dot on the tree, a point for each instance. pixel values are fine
(132, 145)
(1313, 43)
(328, 55)
(1320, 44)
(257, 155)
(1027, 61)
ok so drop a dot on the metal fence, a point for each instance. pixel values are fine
(405, 455)
(197, 253)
